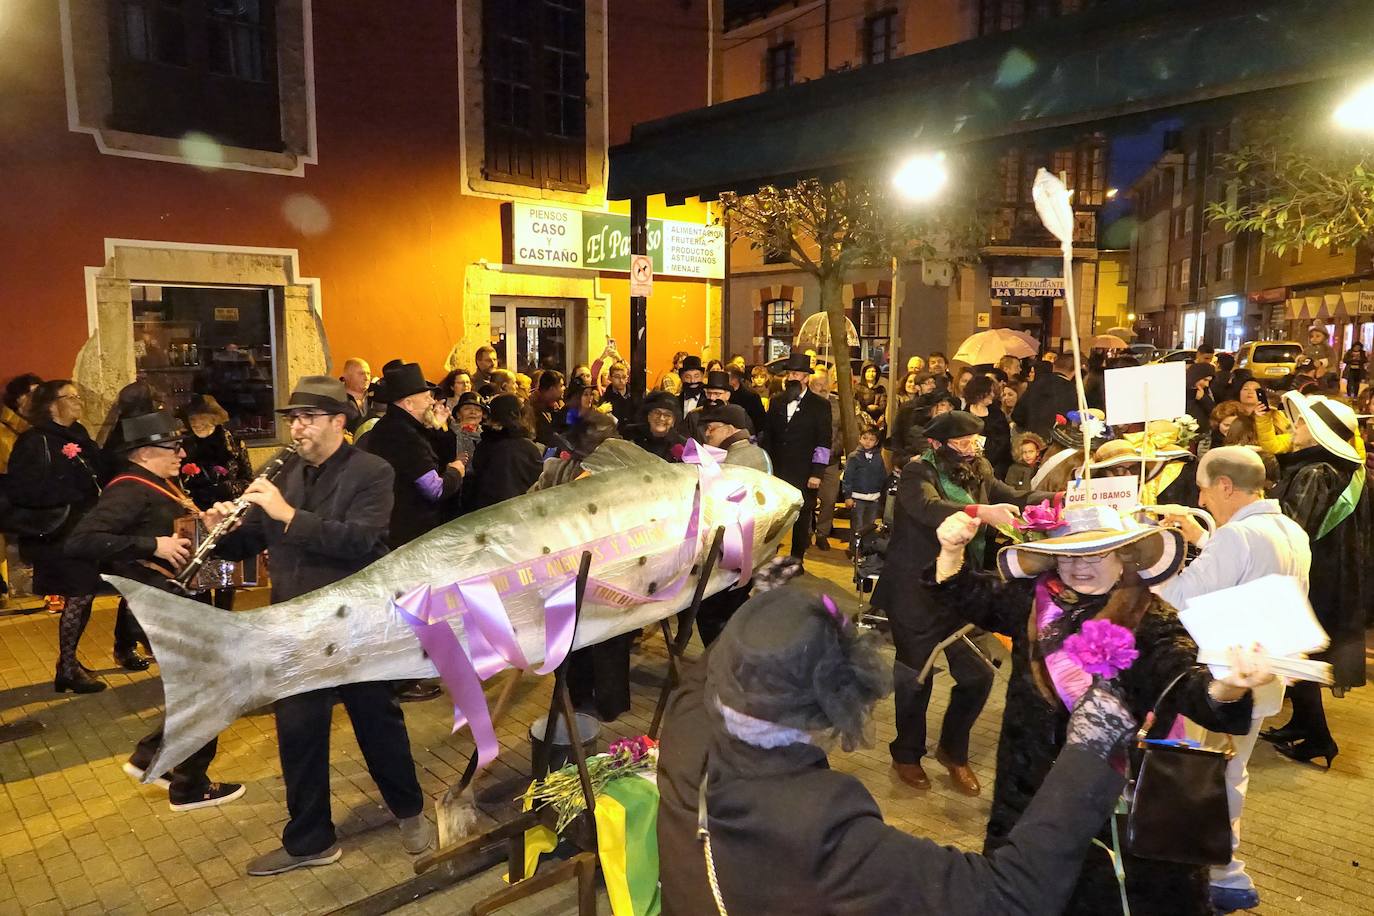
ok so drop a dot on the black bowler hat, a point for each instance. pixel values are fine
(952, 425)
(798, 362)
(405, 380)
(720, 381)
(474, 399)
(160, 428)
(691, 364)
(320, 392)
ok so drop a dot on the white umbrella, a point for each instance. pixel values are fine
(814, 334)
(990, 346)
(1106, 342)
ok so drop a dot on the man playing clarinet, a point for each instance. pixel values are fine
(324, 519)
(130, 533)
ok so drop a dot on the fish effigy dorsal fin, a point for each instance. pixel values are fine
(616, 455)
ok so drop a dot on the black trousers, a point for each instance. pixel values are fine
(188, 778)
(127, 633)
(599, 677)
(303, 738)
(972, 684)
(801, 531)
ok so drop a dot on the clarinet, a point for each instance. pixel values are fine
(241, 507)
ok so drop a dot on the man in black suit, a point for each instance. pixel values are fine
(1051, 394)
(323, 520)
(693, 376)
(131, 532)
(426, 488)
(796, 435)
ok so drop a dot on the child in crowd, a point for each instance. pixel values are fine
(1027, 449)
(865, 477)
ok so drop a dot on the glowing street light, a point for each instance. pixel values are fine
(1356, 113)
(921, 177)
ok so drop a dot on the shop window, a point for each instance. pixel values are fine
(534, 62)
(781, 66)
(880, 37)
(870, 317)
(210, 340)
(780, 321)
(207, 66)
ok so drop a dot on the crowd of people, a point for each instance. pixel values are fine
(946, 469)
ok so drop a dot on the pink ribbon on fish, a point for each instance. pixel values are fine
(455, 669)
(738, 546)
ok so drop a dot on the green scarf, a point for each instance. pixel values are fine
(955, 493)
(1343, 506)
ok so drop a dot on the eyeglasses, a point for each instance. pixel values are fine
(172, 447)
(306, 417)
(1093, 560)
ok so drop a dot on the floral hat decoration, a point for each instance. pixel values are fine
(1090, 531)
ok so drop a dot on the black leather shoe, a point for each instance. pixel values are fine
(1282, 735)
(418, 692)
(77, 681)
(133, 660)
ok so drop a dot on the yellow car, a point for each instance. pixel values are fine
(1269, 360)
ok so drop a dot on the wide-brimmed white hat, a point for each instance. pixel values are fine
(1090, 531)
(1333, 424)
(1120, 452)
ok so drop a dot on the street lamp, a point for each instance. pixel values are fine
(921, 177)
(1356, 113)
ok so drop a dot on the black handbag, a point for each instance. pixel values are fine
(1177, 810)
(24, 521)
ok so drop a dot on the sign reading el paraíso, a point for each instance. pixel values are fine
(545, 236)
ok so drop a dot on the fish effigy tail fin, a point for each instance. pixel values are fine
(209, 660)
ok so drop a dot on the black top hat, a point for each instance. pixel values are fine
(952, 425)
(403, 381)
(718, 380)
(321, 392)
(691, 364)
(159, 428)
(472, 398)
(797, 362)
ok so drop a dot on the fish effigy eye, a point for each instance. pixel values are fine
(342, 612)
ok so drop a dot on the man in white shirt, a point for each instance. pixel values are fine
(1253, 539)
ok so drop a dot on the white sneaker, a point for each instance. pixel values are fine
(161, 782)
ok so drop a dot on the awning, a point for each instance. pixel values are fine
(1112, 61)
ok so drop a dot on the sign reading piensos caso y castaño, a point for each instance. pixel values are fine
(547, 236)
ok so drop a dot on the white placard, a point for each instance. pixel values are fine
(551, 236)
(1121, 493)
(1142, 393)
(693, 250)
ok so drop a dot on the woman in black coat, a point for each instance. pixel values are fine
(787, 834)
(506, 462)
(57, 463)
(1046, 597)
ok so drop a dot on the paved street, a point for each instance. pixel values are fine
(78, 836)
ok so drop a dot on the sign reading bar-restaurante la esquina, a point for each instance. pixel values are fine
(546, 236)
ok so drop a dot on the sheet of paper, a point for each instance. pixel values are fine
(1121, 493)
(1272, 611)
(1139, 394)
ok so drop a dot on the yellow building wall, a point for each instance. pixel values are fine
(1113, 272)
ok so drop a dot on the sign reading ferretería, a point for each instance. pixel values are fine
(547, 236)
(1036, 287)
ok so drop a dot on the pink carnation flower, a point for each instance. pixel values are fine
(71, 450)
(1102, 648)
(221, 470)
(1044, 517)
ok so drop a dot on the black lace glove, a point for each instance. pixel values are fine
(1100, 721)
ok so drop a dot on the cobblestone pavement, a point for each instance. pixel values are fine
(78, 836)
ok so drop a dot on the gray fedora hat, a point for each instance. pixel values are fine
(320, 392)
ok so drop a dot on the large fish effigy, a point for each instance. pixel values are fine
(487, 591)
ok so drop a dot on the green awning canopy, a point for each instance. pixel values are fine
(1113, 61)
